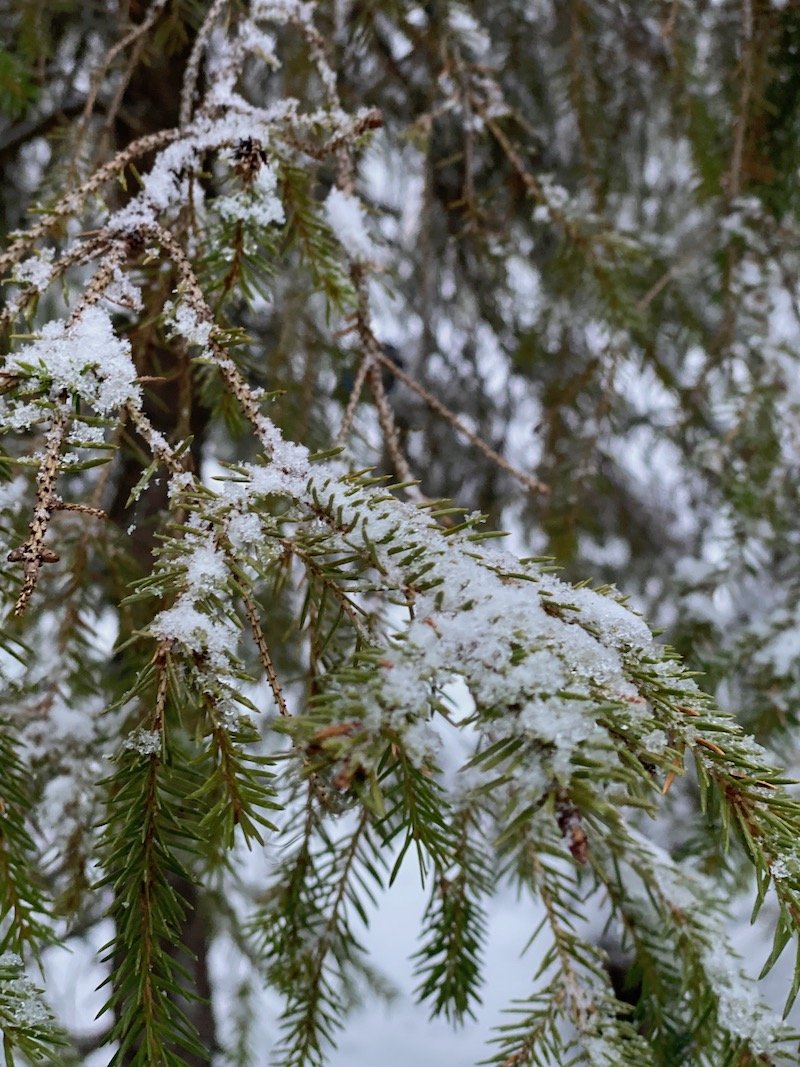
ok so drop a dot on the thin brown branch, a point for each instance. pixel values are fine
(83, 509)
(192, 73)
(156, 442)
(133, 35)
(441, 409)
(263, 652)
(668, 29)
(33, 553)
(389, 431)
(745, 93)
(352, 401)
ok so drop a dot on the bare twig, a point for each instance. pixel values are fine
(668, 29)
(352, 401)
(33, 553)
(263, 652)
(192, 72)
(389, 431)
(133, 35)
(155, 441)
(439, 408)
(745, 92)
(84, 509)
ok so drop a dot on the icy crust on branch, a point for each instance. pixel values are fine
(184, 321)
(84, 359)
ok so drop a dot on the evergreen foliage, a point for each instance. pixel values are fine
(238, 596)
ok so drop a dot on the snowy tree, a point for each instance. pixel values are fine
(302, 303)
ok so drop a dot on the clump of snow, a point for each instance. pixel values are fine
(421, 741)
(467, 28)
(27, 1009)
(23, 1005)
(179, 483)
(205, 567)
(84, 436)
(258, 42)
(196, 630)
(164, 186)
(345, 216)
(781, 652)
(656, 741)
(183, 318)
(258, 205)
(786, 866)
(86, 359)
(555, 199)
(123, 292)
(286, 475)
(282, 10)
(612, 621)
(187, 621)
(19, 415)
(36, 271)
(244, 529)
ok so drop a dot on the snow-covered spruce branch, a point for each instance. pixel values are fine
(563, 679)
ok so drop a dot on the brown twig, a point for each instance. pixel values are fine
(441, 409)
(668, 29)
(32, 554)
(352, 401)
(192, 72)
(133, 35)
(263, 652)
(745, 92)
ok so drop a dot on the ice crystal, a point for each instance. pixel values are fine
(145, 742)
